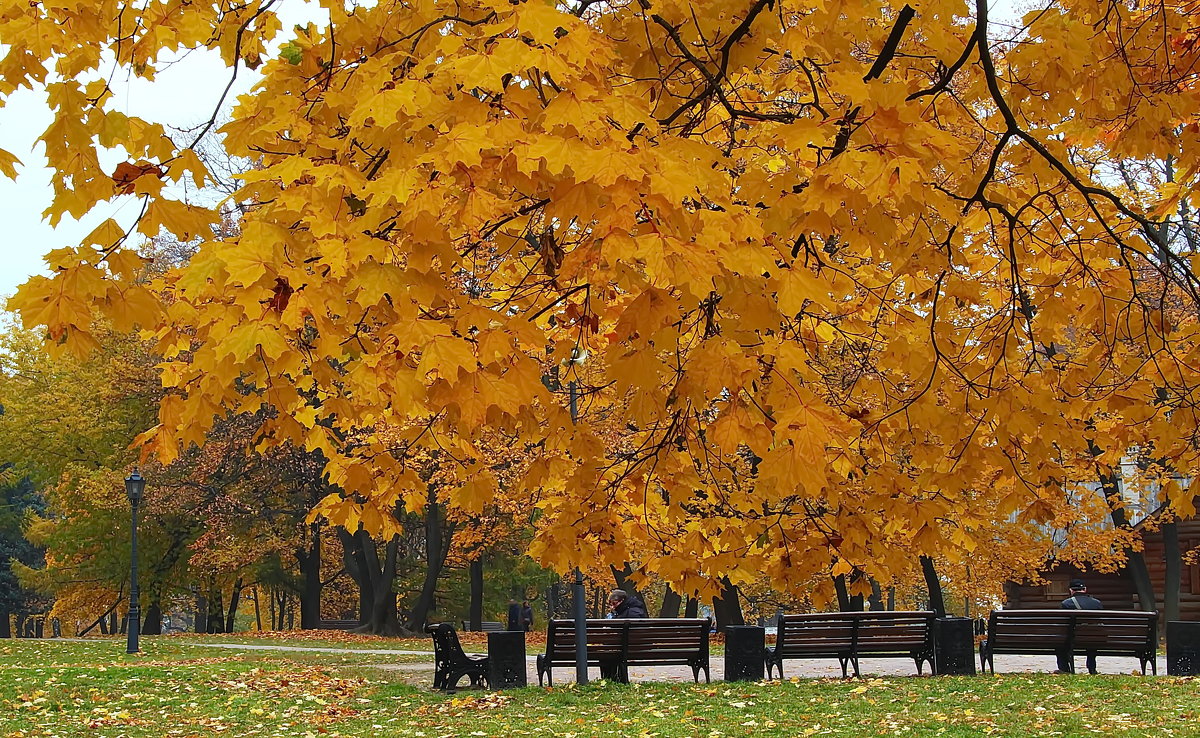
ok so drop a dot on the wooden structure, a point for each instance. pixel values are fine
(849, 636)
(1078, 632)
(1115, 589)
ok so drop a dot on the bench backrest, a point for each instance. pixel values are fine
(445, 643)
(604, 638)
(485, 626)
(667, 637)
(843, 632)
(1046, 630)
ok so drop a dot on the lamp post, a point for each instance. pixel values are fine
(134, 486)
(578, 356)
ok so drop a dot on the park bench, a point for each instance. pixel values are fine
(1050, 632)
(337, 624)
(849, 636)
(451, 663)
(487, 626)
(616, 644)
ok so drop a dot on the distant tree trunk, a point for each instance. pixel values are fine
(891, 599)
(234, 598)
(933, 584)
(152, 625)
(1138, 571)
(112, 620)
(216, 610)
(21, 626)
(1174, 572)
(875, 602)
(201, 615)
(280, 610)
(843, 594)
(728, 606)
(257, 613)
(476, 613)
(438, 535)
(354, 561)
(692, 608)
(670, 604)
(309, 560)
(856, 600)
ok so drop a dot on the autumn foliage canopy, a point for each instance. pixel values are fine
(832, 283)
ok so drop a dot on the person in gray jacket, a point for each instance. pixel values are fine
(1079, 600)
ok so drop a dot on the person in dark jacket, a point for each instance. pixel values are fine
(1079, 600)
(623, 605)
(527, 615)
(514, 616)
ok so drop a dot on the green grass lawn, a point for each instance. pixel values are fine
(93, 688)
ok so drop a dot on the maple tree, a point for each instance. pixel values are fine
(850, 288)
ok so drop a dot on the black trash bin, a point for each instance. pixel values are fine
(745, 653)
(506, 659)
(1183, 647)
(954, 646)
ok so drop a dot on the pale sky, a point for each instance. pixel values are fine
(183, 95)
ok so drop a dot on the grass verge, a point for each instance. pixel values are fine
(72, 689)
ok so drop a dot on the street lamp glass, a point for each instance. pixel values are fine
(134, 485)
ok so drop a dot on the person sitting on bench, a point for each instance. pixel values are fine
(1079, 600)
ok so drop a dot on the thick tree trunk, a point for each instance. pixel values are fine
(234, 598)
(691, 608)
(438, 536)
(383, 612)
(5, 624)
(21, 626)
(216, 611)
(1174, 572)
(1138, 571)
(875, 602)
(377, 600)
(843, 594)
(201, 615)
(112, 620)
(476, 613)
(354, 560)
(933, 584)
(670, 604)
(728, 606)
(152, 625)
(309, 560)
(856, 600)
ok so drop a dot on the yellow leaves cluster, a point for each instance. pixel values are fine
(819, 303)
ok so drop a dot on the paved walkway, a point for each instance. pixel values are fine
(816, 668)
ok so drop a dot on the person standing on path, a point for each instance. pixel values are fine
(1079, 600)
(527, 615)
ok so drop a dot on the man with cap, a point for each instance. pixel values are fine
(1079, 600)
